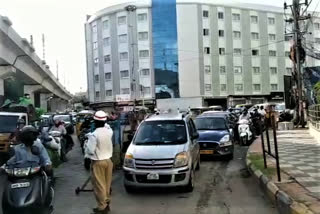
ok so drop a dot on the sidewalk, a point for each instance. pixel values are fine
(299, 155)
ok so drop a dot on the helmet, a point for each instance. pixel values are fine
(21, 121)
(100, 116)
(28, 134)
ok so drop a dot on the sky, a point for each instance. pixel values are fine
(62, 23)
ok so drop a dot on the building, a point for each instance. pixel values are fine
(213, 52)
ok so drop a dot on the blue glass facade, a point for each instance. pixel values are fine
(165, 56)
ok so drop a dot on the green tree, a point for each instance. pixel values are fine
(317, 91)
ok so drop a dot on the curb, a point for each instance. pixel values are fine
(284, 203)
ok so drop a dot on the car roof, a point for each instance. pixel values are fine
(13, 113)
(167, 116)
(223, 116)
(215, 113)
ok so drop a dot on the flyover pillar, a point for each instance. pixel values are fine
(31, 89)
(44, 101)
(6, 72)
(1, 91)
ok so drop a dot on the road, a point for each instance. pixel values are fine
(221, 188)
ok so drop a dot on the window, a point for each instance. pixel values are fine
(205, 32)
(237, 69)
(272, 37)
(122, 20)
(255, 52)
(96, 78)
(94, 28)
(108, 93)
(236, 34)
(236, 17)
(206, 50)
(107, 59)
(123, 38)
(254, 19)
(107, 76)
(142, 17)
(220, 15)
(146, 90)
(145, 72)
(125, 91)
(124, 74)
(238, 87)
(273, 70)
(223, 87)
(221, 33)
(287, 38)
(222, 69)
(316, 26)
(207, 69)
(144, 53)
(96, 61)
(105, 24)
(317, 40)
(256, 87)
(143, 36)
(106, 41)
(272, 53)
(271, 21)
(208, 87)
(97, 94)
(237, 51)
(289, 70)
(255, 36)
(205, 13)
(222, 51)
(95, 45)
(274, 87)
(287, 53)
(124, 56)
(256, 70)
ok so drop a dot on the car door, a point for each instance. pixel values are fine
(194, 142)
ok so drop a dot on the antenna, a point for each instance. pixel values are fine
(43, 48)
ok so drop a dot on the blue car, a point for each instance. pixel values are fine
(215, 136)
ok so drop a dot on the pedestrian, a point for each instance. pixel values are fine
(99, 150)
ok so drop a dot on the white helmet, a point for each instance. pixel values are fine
(100, 115)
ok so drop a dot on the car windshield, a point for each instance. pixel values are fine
(210, 123)
(64, 118)
(8, 124)
(161, 133)
(280, 107)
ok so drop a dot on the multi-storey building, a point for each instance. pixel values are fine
(215, 52)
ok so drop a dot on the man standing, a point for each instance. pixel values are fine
(99, 150)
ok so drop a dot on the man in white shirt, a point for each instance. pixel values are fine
(99, 150)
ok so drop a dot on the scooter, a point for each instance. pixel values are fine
(245, 133)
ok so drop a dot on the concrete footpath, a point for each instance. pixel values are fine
(299, 155)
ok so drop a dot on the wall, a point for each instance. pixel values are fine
(181, 103)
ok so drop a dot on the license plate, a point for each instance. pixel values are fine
(153, 176)
(20, 185)
(206, 152)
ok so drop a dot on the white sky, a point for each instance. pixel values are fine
(62, 22)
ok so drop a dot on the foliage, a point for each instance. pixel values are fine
(316, 88)
(39, 112)
(257, 161)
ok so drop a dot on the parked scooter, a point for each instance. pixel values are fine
(245, 133)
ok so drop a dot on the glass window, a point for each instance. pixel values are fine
(124, 74)
(123, 38)
(142, 17)
(107, 76)
(144, 53)
(143, 36)
(220, 15)
(271, 21)
(222, 51)
(236, 17)
(272, 37)
(317, 40)
(237, 51)
(238, 87)
(105, 24)
(208, 87)
(287, 53)
(108, 93)
(316, 26)
(122, 20)
(145, 72)
(97, 94)
(236, 34)
(222, 69)
(106, 41)
(221, 33)
(223, 87)
(256, 87)
(205, 13)
(211, 123)
(94, 28)
(274, 87)
(254, 19)
(255, 36)
(95, 45)
(256, 70)
(146, 90)
(288, 38)
(206, 32)
(96, 78)
(272, 53)
(8, 124)
(273, 70)
(96, 61)
(255, 52)
(289, 70)
(107, 59)
(237, 69)
(207, 69)
(207, 50)
(125, 91)
(124, 56)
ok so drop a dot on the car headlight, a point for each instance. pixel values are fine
(21, 172)
(225, 141)
(128, 161)
(181, 160)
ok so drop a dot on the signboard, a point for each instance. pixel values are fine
(122, 97)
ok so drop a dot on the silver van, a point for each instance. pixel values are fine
(163, 153)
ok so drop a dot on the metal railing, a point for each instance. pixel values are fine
(314, 115)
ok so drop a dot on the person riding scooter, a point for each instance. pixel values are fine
(15, 136)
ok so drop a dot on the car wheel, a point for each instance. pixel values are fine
(230, 157)
(190, 185)
(129, 189)
(198, 164)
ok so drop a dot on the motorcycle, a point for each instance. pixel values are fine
(245, 133)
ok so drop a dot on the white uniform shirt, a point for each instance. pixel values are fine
(99, 145)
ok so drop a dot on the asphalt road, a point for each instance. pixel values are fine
(221, 188)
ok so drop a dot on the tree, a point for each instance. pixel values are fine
(316, 88)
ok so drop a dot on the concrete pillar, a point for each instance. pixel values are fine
(1, 91)
(44, 100)
(6, 72)
(30, 89)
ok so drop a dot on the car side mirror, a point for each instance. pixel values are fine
(195, 136)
